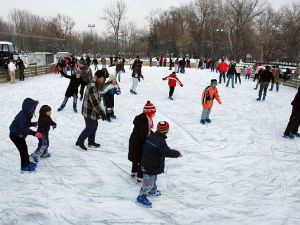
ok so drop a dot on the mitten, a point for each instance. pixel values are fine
(38, 135)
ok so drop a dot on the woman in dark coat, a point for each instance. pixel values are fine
(142, 129)
(292, 128)
(72, 90)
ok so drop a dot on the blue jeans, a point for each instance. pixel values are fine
(21, 73)
(149, 184)
(96, 67)
(118, 75)
(72, 70)
(64, 69)
(277, 86)
(89, 131)
(42, 147)
(182, 69)
(63, 104)
(230, 76)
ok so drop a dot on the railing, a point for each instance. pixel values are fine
(30, 71)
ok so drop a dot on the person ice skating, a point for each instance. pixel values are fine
(238, 73)
(182, 64)
(136, 74)
(172, 80)
(103, 62)
(92, 111)
(12, 71)
(119, 66)
(248, 72)
(95, 62)
(108, 91)
(293, 125)
(262, 69)
(222, 68)
(264, 80)
(176, 67)
(86, 75)
(171, 63)
(21, 68)
(276, 75)
(143, 124)
(155, 150)
(44, 124)
(230, 75)
(20, 128)
(256, 72)
(72, 90)
(209, 94)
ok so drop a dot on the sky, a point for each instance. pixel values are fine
(89, 11)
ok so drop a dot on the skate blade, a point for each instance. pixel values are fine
(144, 206)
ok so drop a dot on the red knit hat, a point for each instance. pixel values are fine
(163, 127)
(149, 109)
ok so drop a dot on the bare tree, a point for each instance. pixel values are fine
(114, 17)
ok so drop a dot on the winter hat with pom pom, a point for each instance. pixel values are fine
(163, 127)
(149, 109)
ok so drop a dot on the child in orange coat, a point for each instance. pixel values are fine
(173, 79)
(209, 94)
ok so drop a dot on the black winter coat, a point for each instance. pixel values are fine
(231, 71)
(138, 138)
(266, 76)
(44, 124)
(296, 101)
(73, 85)
(155, 150)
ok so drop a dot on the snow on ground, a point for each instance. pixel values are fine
(237, 170)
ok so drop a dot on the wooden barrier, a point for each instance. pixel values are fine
(30, 71)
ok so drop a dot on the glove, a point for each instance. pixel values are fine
(103, 116)
(220, 102)
(54, 126)
(38, 135)
(181, 85)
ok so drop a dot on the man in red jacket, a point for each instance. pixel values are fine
(173, 79)
(222, 67)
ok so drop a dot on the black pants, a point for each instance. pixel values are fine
(263, 86)
(255, 76)
(238, 75)
(109, 104)
(82, 86)
(172, 88)
(294, 122)
(136, 168)
(22, 147)
(222, 73)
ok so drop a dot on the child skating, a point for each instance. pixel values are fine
(20, 128)
(143, 124)
(108, 91)
(172, 80)
(209, 94)
(155, 150)
(72, 90)
(44, 124)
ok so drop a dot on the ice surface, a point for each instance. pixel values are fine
(236, 170)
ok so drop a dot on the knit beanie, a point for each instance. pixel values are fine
(163, 127)
(213, 81)
(149, 109)
(112, 77)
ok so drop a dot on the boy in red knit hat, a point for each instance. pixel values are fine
(155, 150)
(173, 79)
(142, 129)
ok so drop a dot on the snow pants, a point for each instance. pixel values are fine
(136, 168)
(205, 113)
(149, 184)
(109, 104)
(172, 88)
(42, 147)
(12, 75)
(294, 122)
(238, 76)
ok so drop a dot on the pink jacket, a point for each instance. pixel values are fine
(248, 71)
(257, 70)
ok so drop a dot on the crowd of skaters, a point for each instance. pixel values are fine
(147, 149)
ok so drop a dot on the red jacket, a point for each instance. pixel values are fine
(223, 66)
(173, 79)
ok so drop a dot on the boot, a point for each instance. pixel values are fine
(81, 145)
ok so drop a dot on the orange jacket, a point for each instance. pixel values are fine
(208, 96)
(173, 79)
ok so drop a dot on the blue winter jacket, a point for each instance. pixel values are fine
(155, 150)
(20, 126)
